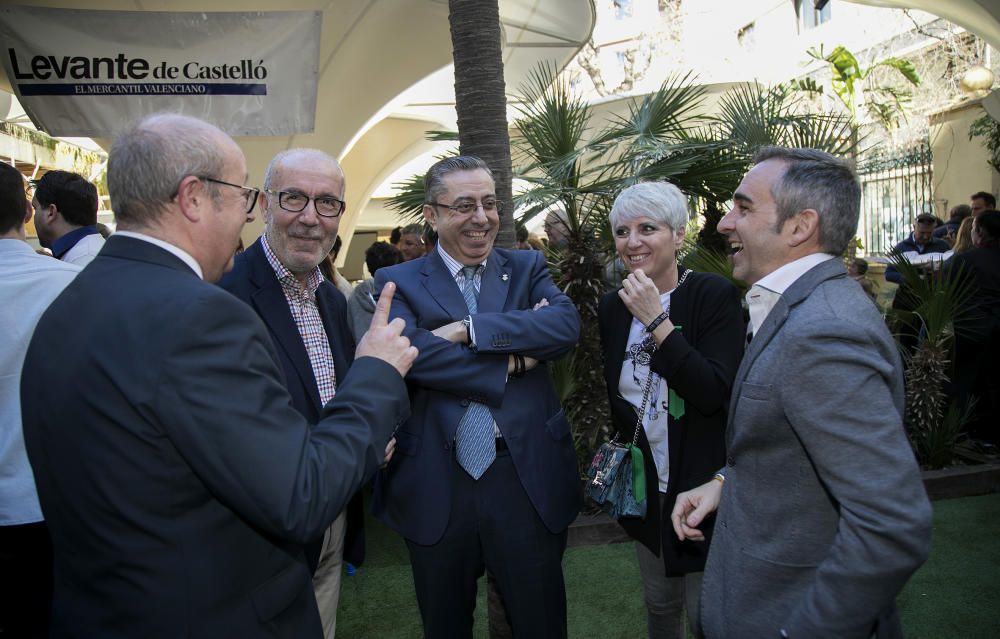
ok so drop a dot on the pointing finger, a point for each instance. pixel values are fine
(381, 315)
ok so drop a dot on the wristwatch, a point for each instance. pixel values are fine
(467, 323)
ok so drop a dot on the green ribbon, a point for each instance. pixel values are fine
(675, 403)
(638, 475)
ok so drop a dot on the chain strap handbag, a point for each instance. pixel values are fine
(618, 472)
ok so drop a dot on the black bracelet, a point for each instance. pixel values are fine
(519, 365)
(662, 317)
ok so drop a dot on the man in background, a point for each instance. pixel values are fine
(361, 304)
(178, 482)
(28, 285)
(920, 242)
(982, 201)
(823, 514)
(411, 242)
(279, 276)
(66, 217)
(949, 230)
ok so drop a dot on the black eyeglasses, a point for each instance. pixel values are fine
(293, 202)
(249, 193)
(468, 207)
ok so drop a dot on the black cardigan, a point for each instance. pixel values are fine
(699, 362)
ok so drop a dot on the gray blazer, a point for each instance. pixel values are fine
(824, 516)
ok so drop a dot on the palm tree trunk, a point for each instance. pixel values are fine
(481, 104)
(480, 100)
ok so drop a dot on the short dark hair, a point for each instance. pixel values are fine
(73, 195)
(991, 202)
(381, 254)
(959, 212)
(434, 178)
(396, 235)
(412, 229)
(988, 225)
(817, 180)
(927, 218)
(13, 202)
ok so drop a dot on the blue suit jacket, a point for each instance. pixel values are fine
(253, 281)
(177, 481)
(413, 494)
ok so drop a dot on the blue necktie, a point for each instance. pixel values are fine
(474, 440)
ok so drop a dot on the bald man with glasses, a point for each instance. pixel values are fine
(306, 316)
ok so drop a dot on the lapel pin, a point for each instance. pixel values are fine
(504, 277)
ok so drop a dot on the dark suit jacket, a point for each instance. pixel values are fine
(698, 361)
(253, 281)
(413, 494)
(823, 516)
(177, 481)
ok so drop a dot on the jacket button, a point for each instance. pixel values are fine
(730, 461)
(465, 402)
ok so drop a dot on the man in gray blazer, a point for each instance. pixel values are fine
(823, 516)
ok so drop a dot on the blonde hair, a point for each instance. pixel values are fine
(963, 239)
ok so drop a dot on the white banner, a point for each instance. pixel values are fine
(89, 73)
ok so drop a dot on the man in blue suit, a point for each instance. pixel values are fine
(178, 482)
(485, 473)
(306, 316)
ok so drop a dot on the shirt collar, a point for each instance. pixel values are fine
(453, 265)
(764, 295)
(285, 276)
(179, 253)
(61, 246)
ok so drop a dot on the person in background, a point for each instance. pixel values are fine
(361, 304)
(681, 334)
(920, 241)
(857, 270)
(328, 267)
(977, 333)
(823, 514)
(395, 236)
(66, 217)
(556, 228)
(411, 242)
(982, 201)
(949, 229)
(28, 284)
(963, 238)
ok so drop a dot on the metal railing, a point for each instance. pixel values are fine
(895, 189)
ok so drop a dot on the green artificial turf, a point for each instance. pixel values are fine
(956, 594)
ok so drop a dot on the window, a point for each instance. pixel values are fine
(809, 16)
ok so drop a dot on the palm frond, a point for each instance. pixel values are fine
(408, 203)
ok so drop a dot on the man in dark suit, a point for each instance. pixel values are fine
(306, 316)
(823, 516)
(178, 482)
(485, 474)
